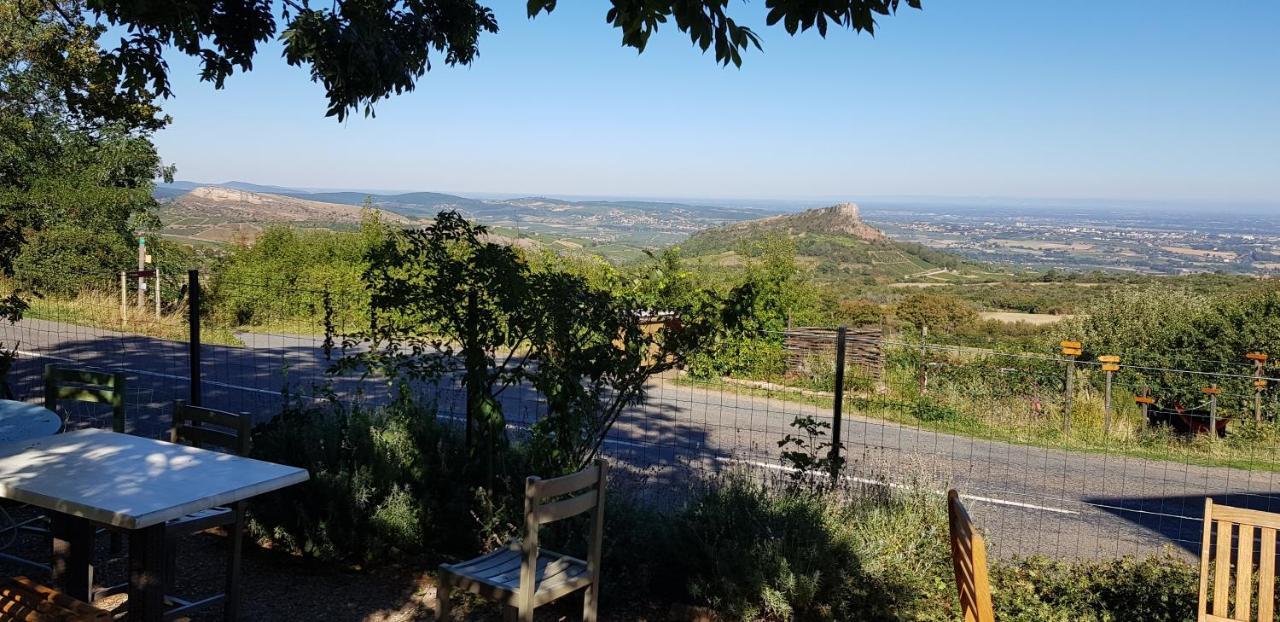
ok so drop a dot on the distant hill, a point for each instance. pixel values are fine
(836, 244)
(220, 214)
(618, 230)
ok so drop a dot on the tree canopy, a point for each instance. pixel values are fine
(363, 51)
(76, 159)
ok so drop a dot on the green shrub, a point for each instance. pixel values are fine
(384, 481)
(756, 552)
(739, 356)
(1154, 589)
(926, 409)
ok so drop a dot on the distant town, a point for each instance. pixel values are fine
(1153, 241)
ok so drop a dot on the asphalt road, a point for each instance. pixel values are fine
(1030, 500)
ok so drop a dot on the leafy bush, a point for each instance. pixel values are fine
(739, 356)
(1155, 589)
(787, 552)
(383, 481)
(926, 409)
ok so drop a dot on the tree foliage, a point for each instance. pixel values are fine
(447, 303)
(362, 51)
(75, 149)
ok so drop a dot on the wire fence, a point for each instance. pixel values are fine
(1047, 471)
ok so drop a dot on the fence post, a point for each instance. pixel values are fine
(157, 292)
(837, 408)
(1110, 365)
(1145, 401)
(1070, 349)
(924, 364)
(327, 301)
(1213, 392)
(124, 298)
(1259, 360)
(193, 323)
(1070, 396)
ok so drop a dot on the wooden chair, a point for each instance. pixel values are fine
(22, 600)
(209, 429)
(85, 385)
(1222, 525)
(524, 577)
(969, 558)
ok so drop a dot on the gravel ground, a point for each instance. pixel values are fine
(279, 587)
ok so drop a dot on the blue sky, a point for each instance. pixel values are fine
(1116, 100)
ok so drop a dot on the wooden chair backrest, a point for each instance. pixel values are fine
(86, 385)
(207, 428)
(1251, 531)
(21, 599)
(969, 559)
(551, 500)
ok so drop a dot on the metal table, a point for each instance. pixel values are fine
(20, 421)
(90, 477)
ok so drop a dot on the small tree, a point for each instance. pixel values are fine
(445, 301)
(595, 350)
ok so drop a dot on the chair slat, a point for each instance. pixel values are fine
(567, 484)
(1249, 517)
(184, 413)
(1202, 608)
(85, 394)
(1267, 575)
(1244, 573)
(203, 437)
(84, 376)
(560, 510)
(1222, 571)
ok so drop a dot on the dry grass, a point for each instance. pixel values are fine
(100, 310)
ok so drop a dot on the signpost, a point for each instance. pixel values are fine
(1071, 350)
(1259, 383)
(1212, 392)
(1145, 401)
(142, 276)
(1110, 365)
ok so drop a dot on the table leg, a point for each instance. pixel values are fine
(72, 564)
(146, 574)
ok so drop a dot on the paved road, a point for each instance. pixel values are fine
(1031, 500)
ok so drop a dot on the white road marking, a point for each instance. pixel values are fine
(873, 482)
(156, 374)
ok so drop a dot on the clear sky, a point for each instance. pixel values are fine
(1172, 100)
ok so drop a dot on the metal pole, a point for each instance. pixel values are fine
(1106, 409)
(1070, 394)
(837, 408)
(124, 298)
(193, 323)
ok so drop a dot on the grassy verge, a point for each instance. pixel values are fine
(99, 310)
(952, 410)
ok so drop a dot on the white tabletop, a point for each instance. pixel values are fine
(130, 481)
(20, 421)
